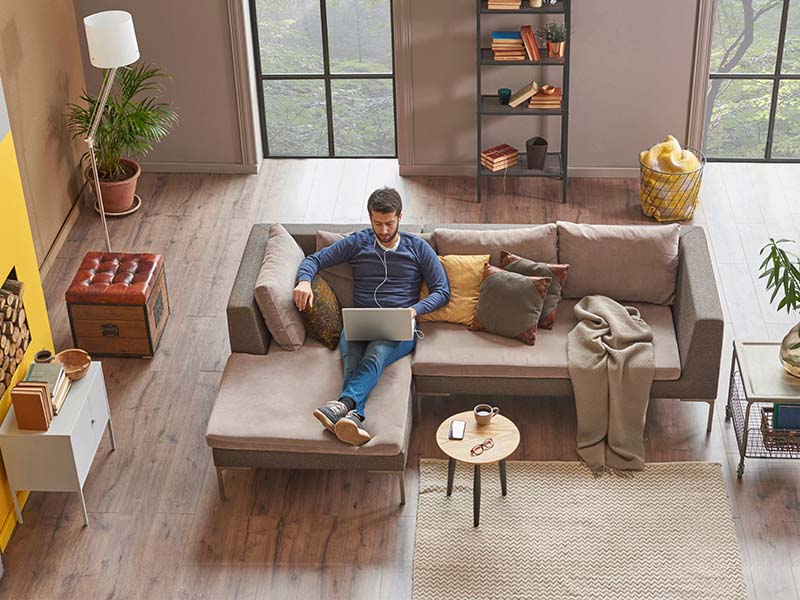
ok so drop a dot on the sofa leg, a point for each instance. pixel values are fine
(710, 416)
(220, 484)
(401, 476)
(418, 400)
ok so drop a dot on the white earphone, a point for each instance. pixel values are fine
(385, 273)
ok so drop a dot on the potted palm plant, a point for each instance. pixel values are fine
(132, 122)
(555, 34)
(782, 270)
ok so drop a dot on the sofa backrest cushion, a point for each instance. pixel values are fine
(634, 263)
(537, 243)
(339, 277)
(274, 286)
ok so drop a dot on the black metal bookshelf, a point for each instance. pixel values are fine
(555, 166)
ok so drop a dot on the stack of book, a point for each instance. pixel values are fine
(508, 45)
(499, 157)
(542, 101)
(504, 4)
(53, 375)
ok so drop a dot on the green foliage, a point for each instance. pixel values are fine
(128, 125)
(554, 32)
(782, 270)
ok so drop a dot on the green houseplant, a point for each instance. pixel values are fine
(133, 121)
(782, 270)
(555, 34)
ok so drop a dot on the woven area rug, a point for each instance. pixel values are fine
(665, 532)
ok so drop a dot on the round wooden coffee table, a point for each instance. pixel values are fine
(502, 432)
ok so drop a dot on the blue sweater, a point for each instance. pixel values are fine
(413, 262)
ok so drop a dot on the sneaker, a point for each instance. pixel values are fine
(329, 414)
(350, 430)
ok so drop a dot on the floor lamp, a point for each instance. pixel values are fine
(112, 44)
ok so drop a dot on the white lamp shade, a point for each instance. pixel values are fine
(111, 39)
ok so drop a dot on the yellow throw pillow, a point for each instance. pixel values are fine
(465, 274)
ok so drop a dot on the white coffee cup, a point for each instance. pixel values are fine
(484, 413)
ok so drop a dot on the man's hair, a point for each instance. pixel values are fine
(385, 200)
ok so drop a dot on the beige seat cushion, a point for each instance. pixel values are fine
(265, 403)
(453, 351)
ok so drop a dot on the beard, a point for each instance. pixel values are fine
(388, 238)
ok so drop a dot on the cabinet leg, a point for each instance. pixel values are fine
(16, 506)
(111, 435)
(451, 472)
(83, 505)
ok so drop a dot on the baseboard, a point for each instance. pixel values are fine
(58, 243)
(177, 167)
(469, 171)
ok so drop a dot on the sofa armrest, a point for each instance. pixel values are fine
(698, 318)
(246, 328)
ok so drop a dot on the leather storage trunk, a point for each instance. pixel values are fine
(117, 304)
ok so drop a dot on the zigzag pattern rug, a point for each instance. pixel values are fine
(662, 533)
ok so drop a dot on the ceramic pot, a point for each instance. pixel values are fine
(789, 356)
(536, 3)
(556, 49)
(118, 195)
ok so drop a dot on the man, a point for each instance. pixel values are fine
(388, 270)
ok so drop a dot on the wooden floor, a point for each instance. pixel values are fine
(157, 528)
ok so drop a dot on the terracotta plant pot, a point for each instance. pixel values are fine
(556, 49)
(117, 195)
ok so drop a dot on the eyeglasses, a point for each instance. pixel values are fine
(487, 444)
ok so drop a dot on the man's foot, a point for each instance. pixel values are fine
(350, 430)
(329, 414)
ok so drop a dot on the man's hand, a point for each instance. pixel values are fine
(303, 296)
(413, 313)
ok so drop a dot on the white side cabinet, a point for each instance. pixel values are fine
(58, 460)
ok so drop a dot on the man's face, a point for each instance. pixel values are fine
(385, 226)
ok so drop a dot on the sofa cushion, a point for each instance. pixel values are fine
(531, 268)
(339, 277)
(629, 263)
(535, 243)
(453, 351)
(323, 319)
(265, 403)
(274, 286)
(464, 274)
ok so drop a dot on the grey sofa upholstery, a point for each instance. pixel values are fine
(688, 335)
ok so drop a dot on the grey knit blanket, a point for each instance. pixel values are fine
(611, 364)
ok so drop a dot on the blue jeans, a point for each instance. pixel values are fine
(363, 364)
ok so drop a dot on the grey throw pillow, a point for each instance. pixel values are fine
(510, 304)
(339, 277)
(274, 287)
(557, 273)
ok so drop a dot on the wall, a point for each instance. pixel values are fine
(192, 41)
(41, 68)
(17, 252)
(631, 74)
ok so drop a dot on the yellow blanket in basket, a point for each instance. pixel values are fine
(669, 157)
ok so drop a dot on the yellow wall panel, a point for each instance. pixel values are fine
(17, 252)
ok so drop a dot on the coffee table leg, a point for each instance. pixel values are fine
(451, 472)
(503, 484)
(476, 496)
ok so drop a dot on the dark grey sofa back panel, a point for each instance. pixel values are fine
(246, 328)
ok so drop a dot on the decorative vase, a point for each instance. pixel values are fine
(556, 49)
(790, 358)
(536, 3)
(536, 151)
(118, 195)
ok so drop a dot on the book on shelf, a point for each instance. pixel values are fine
(506, 35)
(61, 395)
(32, 407)
(529, 40)
(523, 94)
(499, 151)
(502, 167)
(51, 373)
(492, 5)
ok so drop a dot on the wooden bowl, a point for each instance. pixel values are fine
(548, 90)
(75, 362)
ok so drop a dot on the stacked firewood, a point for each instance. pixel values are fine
(14, 333)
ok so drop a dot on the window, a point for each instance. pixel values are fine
(326, 71)
(753, 107)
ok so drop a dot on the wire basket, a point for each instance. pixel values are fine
(671, 196)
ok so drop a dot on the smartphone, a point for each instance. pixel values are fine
(457, 429)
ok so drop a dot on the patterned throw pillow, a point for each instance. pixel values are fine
(510, 304)
(558, 274)
(464, 274)
(323, 320)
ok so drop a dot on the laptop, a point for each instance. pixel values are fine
(368, 324)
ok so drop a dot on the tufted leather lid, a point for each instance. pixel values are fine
(114, 278)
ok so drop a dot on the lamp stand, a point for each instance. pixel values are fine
(108, 82)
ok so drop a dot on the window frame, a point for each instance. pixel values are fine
(326, 76)
(776, 77)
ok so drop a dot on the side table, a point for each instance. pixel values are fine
(758, 380)
(58, 460)
(503, 433)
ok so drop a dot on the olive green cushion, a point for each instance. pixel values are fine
(557, 273)
(323, 319)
